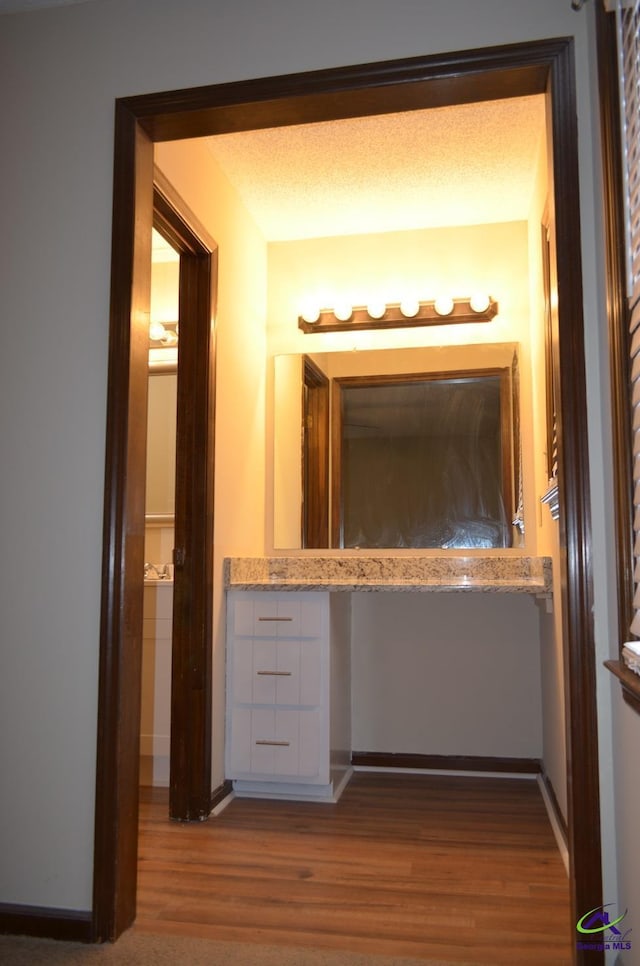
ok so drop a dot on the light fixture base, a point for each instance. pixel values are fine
(393, 317)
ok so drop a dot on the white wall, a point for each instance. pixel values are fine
(446, 674)
(64, 68)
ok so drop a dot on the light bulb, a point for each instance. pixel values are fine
(376, 309)
(409, 308)
(343, 312)
(443, 305)
(310, 313)
(157, 331)
(479, 302)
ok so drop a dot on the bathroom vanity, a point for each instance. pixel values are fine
(289, 655)
(288, 694)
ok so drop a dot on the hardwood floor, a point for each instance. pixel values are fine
(464, 870)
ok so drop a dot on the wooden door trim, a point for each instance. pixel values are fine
(120, 663)
(420, 82)
(617, 312)
(191, 685)
(315, 462)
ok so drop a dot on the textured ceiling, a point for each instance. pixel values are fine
(464, 165)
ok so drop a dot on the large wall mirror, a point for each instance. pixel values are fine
(403, 448)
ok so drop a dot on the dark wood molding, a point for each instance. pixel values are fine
(173, 218)
(575, 518)
(315, 462)
(335, 483)
(617, 312)
(120, 667)
(363, 90)
(62, 924)
(414, 83)
(220, 793)
(190, 767)
(383, 759)
(629, 682)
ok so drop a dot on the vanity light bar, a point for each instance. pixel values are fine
(162, 334)
(397, 315)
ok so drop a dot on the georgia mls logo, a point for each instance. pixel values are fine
(604, 931)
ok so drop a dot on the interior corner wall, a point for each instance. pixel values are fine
(240, 379)
(554, 754)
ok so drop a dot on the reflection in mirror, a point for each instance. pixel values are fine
(422, 447)
(422, 461)
(161, 443)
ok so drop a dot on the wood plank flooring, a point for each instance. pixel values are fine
(465, 870)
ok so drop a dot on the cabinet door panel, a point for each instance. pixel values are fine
(240, 748)
(311, 618)
(242, 619)
(263, 737)
(287, 681)
(310, 743)
(242, 671)
(287, 621)
(310, 673)
(288, 733)
(264, 679)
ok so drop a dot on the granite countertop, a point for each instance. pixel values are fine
(493, 572)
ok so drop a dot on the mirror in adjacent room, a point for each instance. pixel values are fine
(161, 443)
(403, 448)
(162, 382)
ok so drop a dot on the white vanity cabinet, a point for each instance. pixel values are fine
(288, 692)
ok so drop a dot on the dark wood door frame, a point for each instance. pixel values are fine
(421, 82)
(315, 460)
(191, 685)
(190, 754)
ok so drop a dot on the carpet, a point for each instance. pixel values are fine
(144, 949)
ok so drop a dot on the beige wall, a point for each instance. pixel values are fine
(551, 655)
(165, 276)
(64, 68)
(446, 674)
(240, 379)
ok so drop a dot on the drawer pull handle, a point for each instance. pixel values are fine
(278, 744)
(275, 618)
(275, 674)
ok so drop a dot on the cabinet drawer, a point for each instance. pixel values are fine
(273, 742)
(277, 672)
(276, 615)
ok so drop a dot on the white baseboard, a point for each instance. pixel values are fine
(220, 807)
(555, 825)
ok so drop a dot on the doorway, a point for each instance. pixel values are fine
(538, 68)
